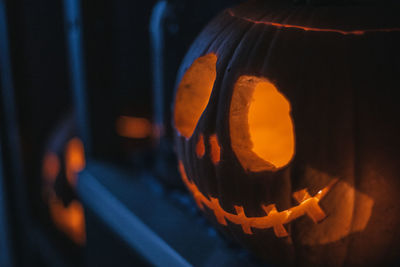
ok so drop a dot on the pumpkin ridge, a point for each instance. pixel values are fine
(220, 79)
(205, 48)
(356, 171)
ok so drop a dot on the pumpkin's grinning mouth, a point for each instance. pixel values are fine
(304, 28)
(274, 219)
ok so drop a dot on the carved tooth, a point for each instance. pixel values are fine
(301, 195)
(268, 208)
(279, 229)
(218, 211)
(314, 211)
(311, 206)
(197, 198)
(244, 222)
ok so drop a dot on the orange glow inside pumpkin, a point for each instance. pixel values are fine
(70, 219)
(193, 93)
(270, 125)
(215, 149)
(133, 127)
(261, 126)
(74, 159)
(308, 205)
(200, 148)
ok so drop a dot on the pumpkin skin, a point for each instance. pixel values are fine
(339, 67)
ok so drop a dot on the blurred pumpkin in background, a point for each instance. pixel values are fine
(63, 160)
(287, 130)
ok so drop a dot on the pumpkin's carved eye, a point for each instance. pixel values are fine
(193, 93)
(261, 126)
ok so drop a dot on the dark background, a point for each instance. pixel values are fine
(40, 80)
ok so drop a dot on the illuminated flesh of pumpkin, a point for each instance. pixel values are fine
(308, 205)
(215, 149)
(200, 148)
(261, 127)
(193, 94)
(133, 127)
(74, 159)
(70, 219)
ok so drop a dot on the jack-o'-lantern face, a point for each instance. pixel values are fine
(261, 135)
(62, 162)
(270, 139)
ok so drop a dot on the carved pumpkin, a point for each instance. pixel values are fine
(63, 160)
(287, 131)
